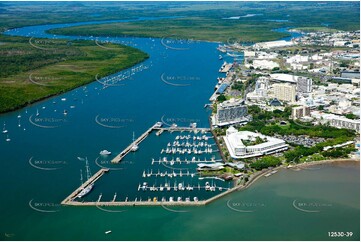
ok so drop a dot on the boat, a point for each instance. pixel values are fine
(207, 186)
(63, 99)
(108, 232)
(105, 152)
(89, 187)
(220, 57)
(195, 199)
(65, 112)
(4, 129)
(135, 146)
(8, 139)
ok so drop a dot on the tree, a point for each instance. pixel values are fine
(221, 98)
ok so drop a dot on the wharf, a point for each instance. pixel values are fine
(158, 127)
(93, 179)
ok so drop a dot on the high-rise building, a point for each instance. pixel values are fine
(284, 92)
(304, 84)
(230, 112)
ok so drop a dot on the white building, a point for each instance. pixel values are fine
(272, 44)
(336, 120)
(263, 64)
(235, 144)
(304, 84)
(299, 112)
(260, 91)
(284, 92)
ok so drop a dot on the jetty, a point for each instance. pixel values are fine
(91, 180)
(156, 127)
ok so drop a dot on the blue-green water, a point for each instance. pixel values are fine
(30, 203)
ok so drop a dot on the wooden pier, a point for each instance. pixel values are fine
(91, 180)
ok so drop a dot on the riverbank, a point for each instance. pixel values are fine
(36, 69)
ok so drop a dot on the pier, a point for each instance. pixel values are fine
(93, 179)
(160, 130)
(119, 157)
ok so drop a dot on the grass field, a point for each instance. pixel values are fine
(61, 67)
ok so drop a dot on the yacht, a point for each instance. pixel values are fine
(4, 129)
(89, 187)
(105, 152)
(135, 146)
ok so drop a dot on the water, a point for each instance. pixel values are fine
(31, 196)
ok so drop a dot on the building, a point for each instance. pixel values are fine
(284, 92)
(303, 84)
(342, 122)
(246, 144)
(272, 44)
(231, 112)
(260, 91)
(350, 74)
(222, 88)
(336, 120)
(299, 112)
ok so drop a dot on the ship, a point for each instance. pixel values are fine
(89, 187)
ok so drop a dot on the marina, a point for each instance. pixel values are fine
(157, 127)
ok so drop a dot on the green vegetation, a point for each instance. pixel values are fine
(221, 98)
(59, 67)
(352, 116)
(195, 28)
(257, 141)
(315, 29)
(265, 162)
(267, 123)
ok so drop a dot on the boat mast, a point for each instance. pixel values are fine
(81, 177)
(88, 173)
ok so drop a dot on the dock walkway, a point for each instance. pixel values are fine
(91, 180)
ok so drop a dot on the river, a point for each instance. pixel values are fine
(41, 167)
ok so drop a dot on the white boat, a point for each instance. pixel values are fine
(108, 232)
(105, 152)
(4, 129)
(207, 186)
(89, 187)
(63, 99)
(195, 199)
(8, 139)
(135, 146)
